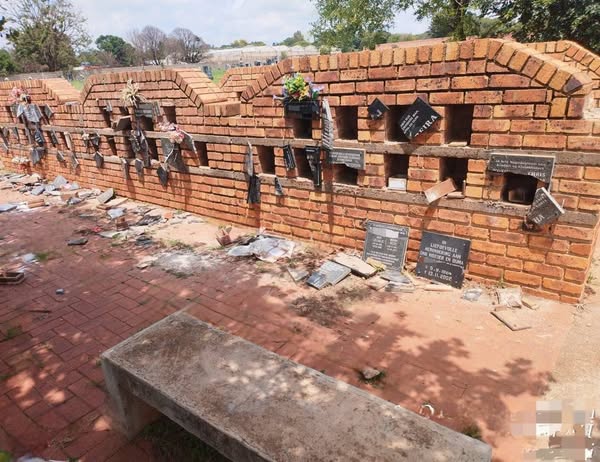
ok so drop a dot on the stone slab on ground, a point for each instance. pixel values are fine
(516, 319)
(251, 404)
(356, 264)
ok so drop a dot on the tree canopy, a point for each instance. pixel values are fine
(187, 46)
(45, 34)
(151, 44)
(123, 52)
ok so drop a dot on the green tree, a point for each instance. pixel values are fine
(296, 39)
(353, 24)
(45, 34)
(7, 63)
(122, 51)
(543, 20)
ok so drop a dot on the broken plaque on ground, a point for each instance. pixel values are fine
(443, 258)
(386, 243)
(353, 158)
(330, 273)
(540, 167)
(544, 208)
(419, 117)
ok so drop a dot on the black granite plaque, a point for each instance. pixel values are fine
(278, 188)
(419, 117)
(317, 280)
(139, 167)
(38, 136)
(387, 244)
(288, 157)
(544, 208)
(313, 155)
(254, 189)
(376, 109)
(60, 156)
(163, 174)
(443, 258)
(540, 167)
(53, 138)
(17, 135)
(353, 158)
(99, 159)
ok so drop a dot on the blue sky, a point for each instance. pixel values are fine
(218, 21)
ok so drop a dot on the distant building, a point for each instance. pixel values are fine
(255, 55)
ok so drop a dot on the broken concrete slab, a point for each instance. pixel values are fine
(356, 264)
(510, 297)
(515, 319)
(251, 404)
(377, 283)
(7, 207)
(112, 203)
(106, 196)
(59, 182)
(38, 190)
(78, 241)
(298, 274)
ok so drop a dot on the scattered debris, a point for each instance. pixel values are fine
(438, 288)
(427, 410)
(399, 287)
(297, 274)
(7, 207)
(377, 283)
(330, 273)
(12, 277)
(356, 264)
(38, 190)
(115, 213)
(473, 294)
(529, 302)
(440, 190)
(148, 220)
(78, 241)
(146, 262)
(268, 249)
(106, 196)
(35, 203)
(380, 266)
(59, 182)
(395, 276)
(29, 258)
(224, 235)
(369, 373)
(60, 291)
(112, 203)
(510, 297)
(515, 319)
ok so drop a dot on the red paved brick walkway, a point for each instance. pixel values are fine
(433, 347)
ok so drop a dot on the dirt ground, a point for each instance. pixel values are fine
(434, 347)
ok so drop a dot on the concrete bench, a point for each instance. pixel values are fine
(253, 405)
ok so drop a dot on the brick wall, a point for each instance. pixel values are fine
(494, 95)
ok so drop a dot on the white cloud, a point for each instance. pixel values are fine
(216, 21)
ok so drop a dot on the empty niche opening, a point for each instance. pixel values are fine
(112, 144)
(346, 122)
(302, 165)
(152, 149)
(519, 189)
(145, 123)
(266, 158)
(459, 123)
(202, 153)
(170, 114)
(393, 132)
(396, 171)
(455, 168)
(107, 118)
(344, 174)
(302, 128)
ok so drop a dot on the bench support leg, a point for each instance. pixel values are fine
(128, 412)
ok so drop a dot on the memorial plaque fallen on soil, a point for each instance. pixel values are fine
(353, 158)
(540, 167)
(386, 243)
(330, 273)
(544, 208)
(443, 258)
(419, 117)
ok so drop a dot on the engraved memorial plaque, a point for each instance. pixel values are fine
(353, 158)
(544, 208)
(540, 167)
(443, 258)
(387, 244)
(419, 117)
(376, 109)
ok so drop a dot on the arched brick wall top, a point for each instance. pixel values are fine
(57, 90)
(194, 83)
(238, 78)
(544, 70)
